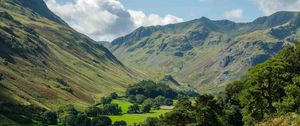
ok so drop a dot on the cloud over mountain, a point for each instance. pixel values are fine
(234, 14)
(105, 19)
(272, 6)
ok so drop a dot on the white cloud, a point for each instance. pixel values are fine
(272, 6)
(141, 19)
(105, 19)
(234, 14)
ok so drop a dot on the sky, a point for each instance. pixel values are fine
(105, 20)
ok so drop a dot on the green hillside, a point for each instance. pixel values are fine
(205, 53)
(46, 63)
(267, 95)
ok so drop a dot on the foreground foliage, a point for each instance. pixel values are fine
(268, 90)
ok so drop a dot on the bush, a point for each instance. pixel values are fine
(120, 123)
(133, 109)
(66, 114)
(168, 102)
(105, 100)
(114, 95)
(146, 108)
(151, 102)
(132, 99)
(151, 122)
(83, 120)
(160, 100)
(49, 118)
(93, 111)
(112, 109)
(139, 98)
(101, 121)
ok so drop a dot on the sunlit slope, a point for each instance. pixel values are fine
(205, 53)
(45, 62)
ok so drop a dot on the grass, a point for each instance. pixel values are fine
(137, 118)
(123, 103)
(134, 118)
(89, 71)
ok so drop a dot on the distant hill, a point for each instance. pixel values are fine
(205, 53)
(46, 63)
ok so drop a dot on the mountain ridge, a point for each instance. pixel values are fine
(206, 53)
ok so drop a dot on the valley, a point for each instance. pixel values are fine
(200, 72)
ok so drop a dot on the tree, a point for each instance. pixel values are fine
(150, 89)
(207, 111)
(70, 120)
(151, 122)
(49, 118)
(82, 120)
(160, 100)
(146, 108)
(101, 121)
(132, 98)
(177, 118)
(112, 109)
(184, 103)
(264, 86)
(291, 102)
(114, 95)
(139, 98)
(168, 102)
(120, 123)
(67, 114)
(105, 100)
(133, 109)
(93, 111)
(151, 102)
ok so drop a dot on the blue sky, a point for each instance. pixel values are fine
(192, 9)
(109, 19)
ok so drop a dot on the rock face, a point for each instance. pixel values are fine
(200, 51)
(45, 62)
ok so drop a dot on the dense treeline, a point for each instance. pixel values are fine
(150, 89)
(269, 89)
(149, 94)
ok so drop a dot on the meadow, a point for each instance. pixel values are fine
(134, 118)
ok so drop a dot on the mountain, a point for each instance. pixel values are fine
(205, 53)
(46, 63)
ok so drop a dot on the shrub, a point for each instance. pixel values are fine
(132, 98)
(112, 109)
(139, 98)
(49, 118)
(101, 121)
(120, 123)
(146, 108)
(93, 111)
(105, 100)
(114, 95)
(133, 109)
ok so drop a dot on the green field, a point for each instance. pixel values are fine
(137, 118)
(133, 118)
(123, 103)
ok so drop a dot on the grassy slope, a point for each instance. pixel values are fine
(134, 118)
(200, 66)
(55, 52)
(138, 118)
